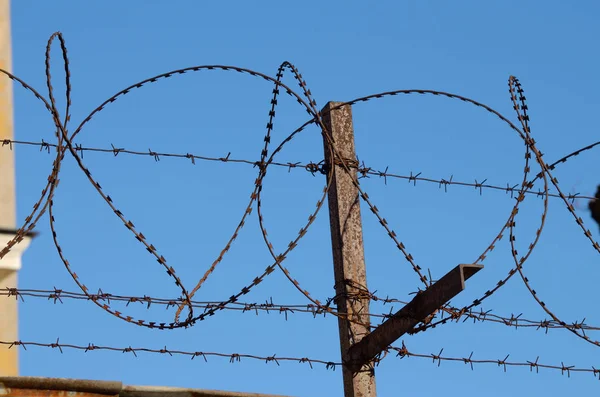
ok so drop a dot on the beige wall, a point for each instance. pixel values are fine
(8, 278)
(7, 169)
(9, 364)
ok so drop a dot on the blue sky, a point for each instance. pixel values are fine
(343, 50)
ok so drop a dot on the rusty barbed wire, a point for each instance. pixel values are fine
(312, 167)
(520, 106)
(59, 296)
(515, 86)
(66, 144)
(53, 181)
(401, 352)
(503, 363)
(258, 185)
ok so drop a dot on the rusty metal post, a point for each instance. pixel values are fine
(347, 246)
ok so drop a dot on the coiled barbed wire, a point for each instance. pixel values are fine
(65, 144)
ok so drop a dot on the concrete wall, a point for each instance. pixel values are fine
(8, 276)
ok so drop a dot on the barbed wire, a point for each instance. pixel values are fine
(268, 306)
(520, 106)
(312, 167)
(401, 352)
(65, 143)
(503, 363)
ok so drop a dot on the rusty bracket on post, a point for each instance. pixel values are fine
(423, 304)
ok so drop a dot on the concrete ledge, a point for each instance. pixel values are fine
(29, 386)
(61, 384)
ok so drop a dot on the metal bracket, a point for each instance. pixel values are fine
(422, 305)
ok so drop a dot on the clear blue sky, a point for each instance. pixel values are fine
(344, 50)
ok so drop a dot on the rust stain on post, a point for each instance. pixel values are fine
(347, 245)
